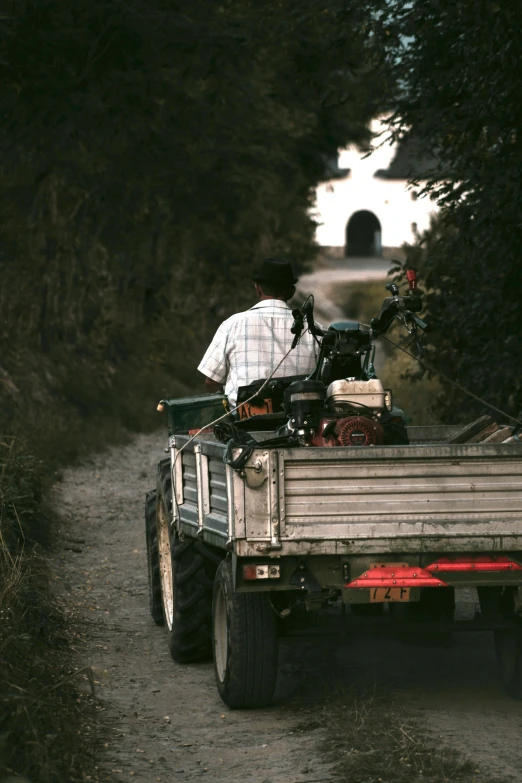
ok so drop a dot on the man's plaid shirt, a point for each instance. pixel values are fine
(248, 346)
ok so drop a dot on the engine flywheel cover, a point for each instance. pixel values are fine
(359, 431)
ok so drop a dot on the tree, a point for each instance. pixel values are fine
(149, 151)
(459, 67)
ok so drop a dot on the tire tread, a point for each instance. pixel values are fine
(194, 566)
(154, 578)
(252, 666)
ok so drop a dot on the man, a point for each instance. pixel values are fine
(248, 346)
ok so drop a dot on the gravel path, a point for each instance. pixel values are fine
(320, 283)
(166, 722)
(163, 721)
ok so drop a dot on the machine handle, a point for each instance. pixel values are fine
(420, 323)
(411, 276)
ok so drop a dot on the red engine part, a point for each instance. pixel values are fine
(351, 431)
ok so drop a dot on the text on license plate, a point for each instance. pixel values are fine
(382, 594)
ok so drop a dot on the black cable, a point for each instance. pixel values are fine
(449, 380)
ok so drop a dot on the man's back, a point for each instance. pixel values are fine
(248, 346)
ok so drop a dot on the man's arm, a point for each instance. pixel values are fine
(213, 386)
(214, 363)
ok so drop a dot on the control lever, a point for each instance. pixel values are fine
(420, 323)
(297, 326)
(308, 310)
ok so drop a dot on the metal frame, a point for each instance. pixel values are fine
(260, 518)
(212, 527)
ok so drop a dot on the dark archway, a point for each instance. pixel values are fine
(363, 234)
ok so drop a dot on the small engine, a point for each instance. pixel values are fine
(304, 406)
(331, 418)
(352, 395)
(349, 431)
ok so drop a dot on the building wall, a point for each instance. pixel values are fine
(390, 200)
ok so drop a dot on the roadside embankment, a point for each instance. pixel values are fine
(53, 413)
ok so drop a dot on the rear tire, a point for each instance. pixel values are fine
(508, 647)
(436, 605)
(245, 641)
(508, 644)
(151, 537)
(187, 570)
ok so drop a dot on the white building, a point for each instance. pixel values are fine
(368, 205)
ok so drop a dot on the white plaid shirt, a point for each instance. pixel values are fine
(248, 346)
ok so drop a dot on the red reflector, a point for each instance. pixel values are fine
(475, 563)
(249, 572)
(396, 576)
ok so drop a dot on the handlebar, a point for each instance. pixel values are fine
(393, 306)
(420, 323)
(306, 312)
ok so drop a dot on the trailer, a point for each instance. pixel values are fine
(383, 534)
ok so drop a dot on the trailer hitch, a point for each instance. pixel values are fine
(305, 580)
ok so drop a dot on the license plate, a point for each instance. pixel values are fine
(381, 595)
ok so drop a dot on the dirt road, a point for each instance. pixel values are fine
(321, 281)
(165, 722)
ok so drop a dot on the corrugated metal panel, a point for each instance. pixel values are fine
(372, 491)
(218, 487)
(189, 514)
(217, 523)
(190, 484)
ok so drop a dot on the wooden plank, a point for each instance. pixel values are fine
(500, 436)
(481, 437)
(468, 433)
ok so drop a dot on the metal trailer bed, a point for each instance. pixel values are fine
(426, 497)
(235, 555)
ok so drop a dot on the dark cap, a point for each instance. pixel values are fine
(275, 271)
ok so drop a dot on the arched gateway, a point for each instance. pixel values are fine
(363, 234)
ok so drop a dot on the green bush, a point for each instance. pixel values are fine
(460, 70)
(41, 705)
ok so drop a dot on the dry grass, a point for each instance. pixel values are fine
(12, 571)
(375, 739)
(43, 710)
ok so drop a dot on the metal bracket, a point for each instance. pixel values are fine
(305, 580)
(256, 471)
(517, 600)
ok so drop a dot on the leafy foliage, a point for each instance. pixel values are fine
(151, 150)
(460, 68)
(149, 153)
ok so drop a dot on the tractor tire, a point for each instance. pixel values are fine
(187, 571)
(508, 643)
(151, 537)
(508, 648)
(245, 641)
(436, 605)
